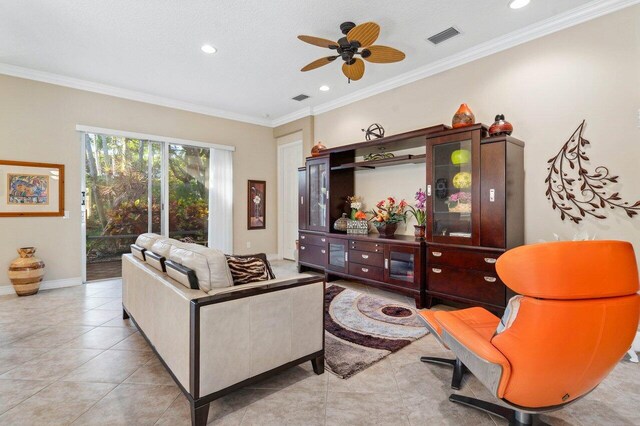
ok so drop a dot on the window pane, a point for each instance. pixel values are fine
(189, 193)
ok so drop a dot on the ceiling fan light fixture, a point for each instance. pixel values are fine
(208, 49)
(324, 88)
(518, 4)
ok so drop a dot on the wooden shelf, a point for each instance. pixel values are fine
(401, 159)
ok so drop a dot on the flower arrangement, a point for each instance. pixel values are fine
(419, 210)
(387, 211)
(360, 215)
(355, 203)
(460, 202)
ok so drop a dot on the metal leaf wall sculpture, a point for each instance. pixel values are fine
(577, 192)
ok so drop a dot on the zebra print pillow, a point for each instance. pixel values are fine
(246, 270)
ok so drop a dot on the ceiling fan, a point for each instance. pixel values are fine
(358, 41)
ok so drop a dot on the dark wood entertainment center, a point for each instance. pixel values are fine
(455, 263)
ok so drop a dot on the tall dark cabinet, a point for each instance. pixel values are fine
(455, 264)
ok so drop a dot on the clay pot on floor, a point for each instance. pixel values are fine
(26, 272)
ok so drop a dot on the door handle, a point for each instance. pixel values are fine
(301, 200)
(346, 256)
(436, 270)
(490, 260)
(386, 264)
(490, 279)
(436, 253)
(365, 256)
(492, 195)
(428, 190)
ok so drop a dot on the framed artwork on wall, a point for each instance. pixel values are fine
(31, 189)
(256, 204)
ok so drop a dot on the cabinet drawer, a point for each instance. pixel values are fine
(365, 271)
(484, 287)
(482, 261)
(313, 239)
(366, 246)
(315, 255)
(366, 258)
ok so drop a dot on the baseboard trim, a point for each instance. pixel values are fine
(46, 285)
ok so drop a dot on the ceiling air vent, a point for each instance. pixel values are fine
(300, 97)
(444, 35)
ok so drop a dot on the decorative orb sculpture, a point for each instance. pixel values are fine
(460, 156)
(375, 131)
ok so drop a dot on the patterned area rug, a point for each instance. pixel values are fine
(362, 329)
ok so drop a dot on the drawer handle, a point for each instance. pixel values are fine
(302, 247)
(436, 270)
(365, 270)
(490, 260)
(436, 253)
(377, 245)
(490, 279)
(323, 239)
(323, 251)
(302, 237)
(365, 256)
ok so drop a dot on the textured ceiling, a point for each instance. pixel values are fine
(154, 46)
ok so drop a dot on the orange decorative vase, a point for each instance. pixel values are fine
(463, 117)
(317, 148)
(26, 272)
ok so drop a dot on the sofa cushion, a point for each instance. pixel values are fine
(209, 264)
(247, 269)
(162, 246)
(185, 276)
(146, 240)
(155, 260)
(138, 251)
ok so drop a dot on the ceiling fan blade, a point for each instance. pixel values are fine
(382, 54)
(318, 63)
(365, 34)
(354, 71)
(317, 41)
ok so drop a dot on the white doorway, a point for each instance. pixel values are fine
(290, 158)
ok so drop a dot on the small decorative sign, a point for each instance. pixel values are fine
(359, 227)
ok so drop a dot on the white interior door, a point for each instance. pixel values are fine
(290, 156)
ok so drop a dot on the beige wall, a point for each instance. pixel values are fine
(37, 123)
(545, 88)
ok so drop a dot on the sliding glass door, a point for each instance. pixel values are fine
(129, 183)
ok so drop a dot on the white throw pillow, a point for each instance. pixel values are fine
(209, 264)
(146, 240)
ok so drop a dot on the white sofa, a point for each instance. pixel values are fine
(218, 341)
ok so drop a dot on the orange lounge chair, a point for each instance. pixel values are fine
(574, 319)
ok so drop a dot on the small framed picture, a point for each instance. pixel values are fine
(256, 204)
(31, 189)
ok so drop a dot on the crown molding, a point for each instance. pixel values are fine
(584, 13)
(104, 89)
(296, 115)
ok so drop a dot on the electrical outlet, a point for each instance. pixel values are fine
(248, 244)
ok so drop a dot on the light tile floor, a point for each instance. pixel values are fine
(67, 357)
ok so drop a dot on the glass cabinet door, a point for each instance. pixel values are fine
(337, 255)
(318, 192)
(451, 190)
(401, 265)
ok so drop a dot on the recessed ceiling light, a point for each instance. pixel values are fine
(517, 4)
(207, 48)
(324, 88)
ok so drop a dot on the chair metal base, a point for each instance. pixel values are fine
(458, 369)
(514, 417)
